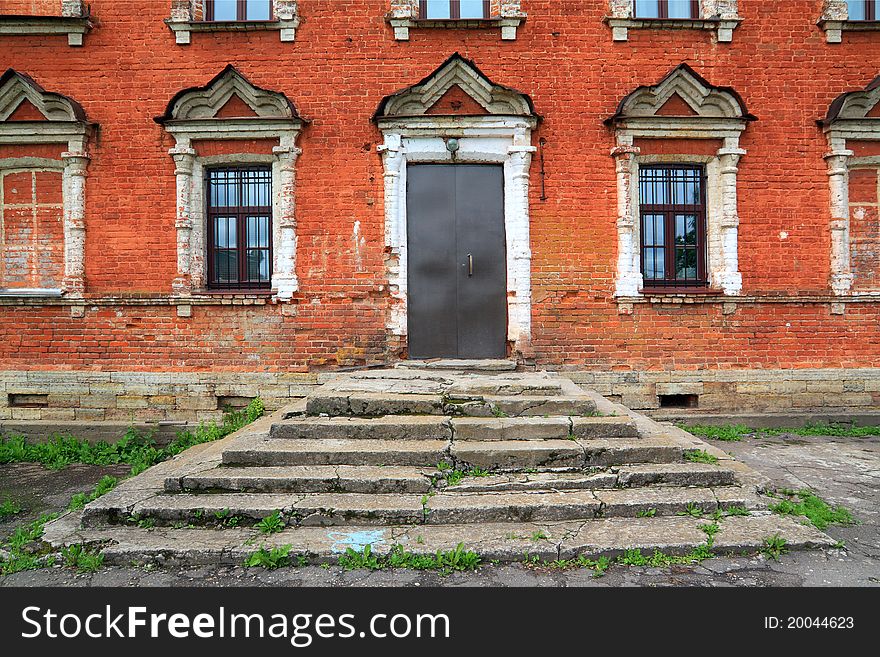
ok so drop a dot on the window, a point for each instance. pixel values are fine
(667, 9)
(862, 10)
(239, 227)
(454, 9)
(673, 225)
(238, 10)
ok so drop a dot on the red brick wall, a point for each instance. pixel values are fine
(343, 62)
(31, 7)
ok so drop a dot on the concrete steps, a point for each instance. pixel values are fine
(430, 458)
(447, 507)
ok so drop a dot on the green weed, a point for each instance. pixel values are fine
(81, 558)
(269, 559)
(271, 524)
(806, 503)
(9, 508)
(700, 456)
(774, 547)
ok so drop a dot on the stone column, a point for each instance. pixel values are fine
(519, 250)
(184, 158)
(394, 163)
(74, 197)
(838, 175)
(629, 276)
(284, 280)
(731, 278)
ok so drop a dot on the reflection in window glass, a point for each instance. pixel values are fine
(857, 10)
(439, 9)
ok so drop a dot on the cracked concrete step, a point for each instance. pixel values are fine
(505, 542)
(306, 479)
(589, 428)
(328, 509)
(373, 404)
(523, 405)
(389, 427)
(513, 454)
(276, 451)
(536, 481)
(336, 404)
(675, 474)
(519, 428)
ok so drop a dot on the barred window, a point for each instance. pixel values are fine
(673, 225)
(454, 9)
(238, 10)
(239, 227)
(667, 9)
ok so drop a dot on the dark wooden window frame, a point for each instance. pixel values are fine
(700, 283)
(663, 11)
(240, 213)
(454, 10)
(241, 11)
(870, 11)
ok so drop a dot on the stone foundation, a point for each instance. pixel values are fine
(151, 398)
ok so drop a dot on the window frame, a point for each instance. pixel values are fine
(241, 214)
(701, 282)
(241, 13)
(663, 11)
(870, 11)
(454, 11)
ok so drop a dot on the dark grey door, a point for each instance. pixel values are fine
(457, 294)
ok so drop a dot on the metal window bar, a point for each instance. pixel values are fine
(241, 9)
(672, 207)
(239, 213)
(647, 9)
(454, 9)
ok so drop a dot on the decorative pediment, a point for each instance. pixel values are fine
(228, 95)
(22, 99)
(458, 83)
(682, 93)
(855, 105)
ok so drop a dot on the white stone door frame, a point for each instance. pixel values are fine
(490, 139)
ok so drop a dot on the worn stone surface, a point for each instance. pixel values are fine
(603, 427)
(506, 454)
(390, 427)
(676, 474)
(522, 428)
(338, 452)
(314, 479)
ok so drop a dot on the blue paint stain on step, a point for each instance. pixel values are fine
(355, 540)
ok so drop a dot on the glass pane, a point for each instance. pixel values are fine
(686, 229)
(439, 9)
(655, 264)
(647, 8)
(225, 10)
(659, 230)
(648, 229)
(856, 10)
(258, 232)
(471, 9)
(686, 264)
(226, 266)
(258, 266)
(680, 9)
(258, 10)
(224, 232)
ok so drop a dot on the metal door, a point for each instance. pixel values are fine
(457, 264)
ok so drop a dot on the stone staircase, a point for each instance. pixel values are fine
(428, 456)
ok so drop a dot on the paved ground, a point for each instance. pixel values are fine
(842, 470)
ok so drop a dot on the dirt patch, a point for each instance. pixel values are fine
(37, 489)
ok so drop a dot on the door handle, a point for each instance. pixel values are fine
(470, 265)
